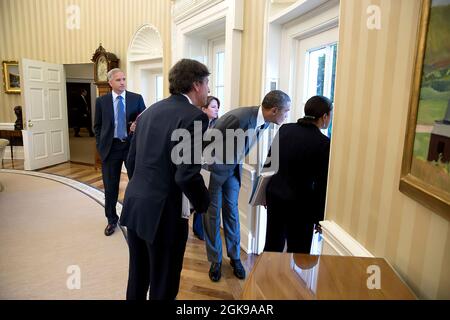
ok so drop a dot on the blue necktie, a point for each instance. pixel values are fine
(121, 120)
(261, 129)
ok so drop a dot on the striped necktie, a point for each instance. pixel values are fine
(121, 120)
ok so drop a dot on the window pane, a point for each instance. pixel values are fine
(159, 88)
(321, 74)
(333, 71)
(316, 75)
(220, 95)
(220, 62)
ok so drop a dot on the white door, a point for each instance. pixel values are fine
(45, 137)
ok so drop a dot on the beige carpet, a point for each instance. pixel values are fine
(46, 227)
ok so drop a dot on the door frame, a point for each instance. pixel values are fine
(285, 27)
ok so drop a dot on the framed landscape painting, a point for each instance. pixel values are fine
(426, 157)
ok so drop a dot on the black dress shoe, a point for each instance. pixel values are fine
(238, 268)
(215, 271)
(110, 228)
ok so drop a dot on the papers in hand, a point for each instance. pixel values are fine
(258, 197)
(206, 175)
(185, 207)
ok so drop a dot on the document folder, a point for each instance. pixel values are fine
(186, 206)
(258, 197)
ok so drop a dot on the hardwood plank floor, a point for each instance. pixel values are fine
(195, 283)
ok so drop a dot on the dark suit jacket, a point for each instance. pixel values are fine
(241, 118)
(157, 183)
(104, 119)
(82, 115)
(301, 179)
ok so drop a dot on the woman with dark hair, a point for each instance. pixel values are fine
(295, 195)
(211, 108)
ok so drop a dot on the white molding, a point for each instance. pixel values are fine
(295, 10)
(186, 9)
(192, 32)
(144, 58)
(325, 26)
(6, 125)
(339, 242)
(145, 46)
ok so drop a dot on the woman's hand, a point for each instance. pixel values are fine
(318, 228)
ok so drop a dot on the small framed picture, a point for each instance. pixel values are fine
(11, 77)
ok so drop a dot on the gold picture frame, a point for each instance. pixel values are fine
(425, 174)
(11, 77)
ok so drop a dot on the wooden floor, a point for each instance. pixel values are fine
(195, 283)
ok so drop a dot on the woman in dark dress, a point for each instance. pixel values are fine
(295, 195)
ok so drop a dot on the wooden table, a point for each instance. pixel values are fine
(287, 276)
(15, 139)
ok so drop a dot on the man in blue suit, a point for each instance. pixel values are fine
(115, 114)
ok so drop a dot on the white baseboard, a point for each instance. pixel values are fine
(338, 242)
(18, 153)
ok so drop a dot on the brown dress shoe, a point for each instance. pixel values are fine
(109, 230)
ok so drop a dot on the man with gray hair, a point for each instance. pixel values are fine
(115, 114)
(225, 178)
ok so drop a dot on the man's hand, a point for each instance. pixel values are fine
(133, 126)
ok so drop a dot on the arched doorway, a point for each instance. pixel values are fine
(145, 64)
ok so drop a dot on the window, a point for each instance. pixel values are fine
(216, 64)
(320, 74)
(220, 76)
(159, 88)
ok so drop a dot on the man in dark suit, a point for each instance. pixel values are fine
(225, 178)
(82, 114)
(154, 211)
(115, 114)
